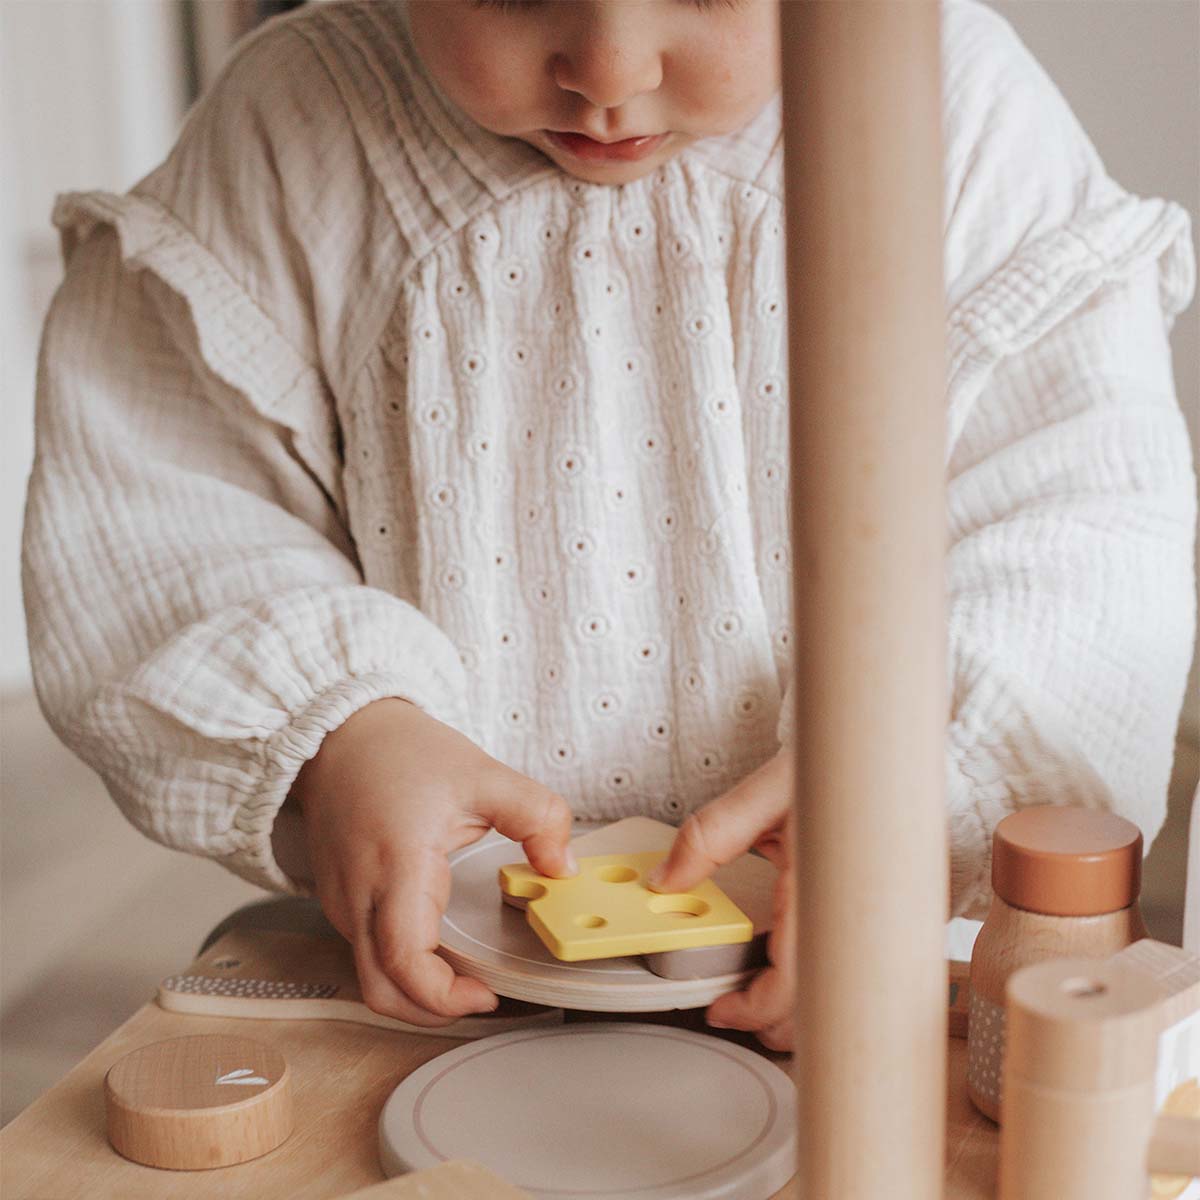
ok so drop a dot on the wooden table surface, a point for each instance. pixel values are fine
(56, 1149)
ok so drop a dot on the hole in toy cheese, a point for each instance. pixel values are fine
(678, 906)
(616, 874)
(526, 889)
(590, 921)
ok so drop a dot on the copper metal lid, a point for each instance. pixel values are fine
(1066, 861)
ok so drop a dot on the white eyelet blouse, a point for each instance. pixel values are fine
(350, 399)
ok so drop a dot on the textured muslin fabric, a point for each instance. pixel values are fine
(350, 398)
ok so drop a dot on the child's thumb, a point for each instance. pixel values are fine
(541, 821)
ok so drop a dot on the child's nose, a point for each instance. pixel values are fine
(609, 71)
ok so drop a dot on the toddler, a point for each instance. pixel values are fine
(413, 460)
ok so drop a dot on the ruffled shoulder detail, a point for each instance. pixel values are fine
(1050, 279)
(1034, 226)
(237, 340)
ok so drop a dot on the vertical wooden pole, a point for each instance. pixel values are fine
(862, 120)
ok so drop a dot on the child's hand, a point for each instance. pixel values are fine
(389, 795)
(756, 813)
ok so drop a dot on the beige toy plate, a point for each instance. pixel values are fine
(606, 1111)
(490, 940)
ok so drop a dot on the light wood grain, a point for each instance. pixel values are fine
(197, 1102)
(342, 1075)
(1079, 1081)
(450, 1181)
(1174, 973)
(863, 169)
(1012, 938)
(1175, 1146)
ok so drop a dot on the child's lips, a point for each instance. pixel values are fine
(588, 149)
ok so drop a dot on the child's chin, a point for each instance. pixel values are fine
(617, 173)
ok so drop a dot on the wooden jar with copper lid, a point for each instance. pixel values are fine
(1066, 883)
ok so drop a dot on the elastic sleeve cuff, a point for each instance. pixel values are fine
(251, 853)
(200, 745)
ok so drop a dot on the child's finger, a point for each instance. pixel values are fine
(779, 1037)
(775, 848)
(765, 1007)
(536, 817)
(724, 829)
(381, 995)
(405, 932)
(379, 991)
(766, 1003)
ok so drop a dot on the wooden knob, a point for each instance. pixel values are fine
(1067, 861)
(191, 1103)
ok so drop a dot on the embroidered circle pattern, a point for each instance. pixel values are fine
(580, 360)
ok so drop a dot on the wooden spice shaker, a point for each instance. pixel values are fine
(1065, 883)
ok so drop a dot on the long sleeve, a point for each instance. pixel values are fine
(1070, 578)
(1069, 573)
(1070, 492)
(197, 615)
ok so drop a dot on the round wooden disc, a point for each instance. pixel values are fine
(640, 1112)
(196, 1102)
(492, 941)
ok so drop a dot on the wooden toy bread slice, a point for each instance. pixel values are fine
(606, 910)
(274, 975)
(610, 1110)
(193, 1103)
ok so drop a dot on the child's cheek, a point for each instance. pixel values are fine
(494, 87)
(489, 77)
(721, 82)
(718, 98)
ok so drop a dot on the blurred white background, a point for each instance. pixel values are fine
(91, 94)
